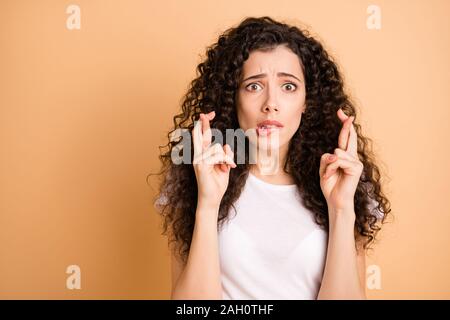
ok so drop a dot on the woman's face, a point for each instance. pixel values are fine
(272, 87)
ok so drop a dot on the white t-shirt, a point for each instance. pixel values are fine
(272, 248)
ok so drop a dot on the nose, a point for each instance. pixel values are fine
(270, 108)
(271, 104)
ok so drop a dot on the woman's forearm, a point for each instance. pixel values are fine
(341, 279)
(200, 278)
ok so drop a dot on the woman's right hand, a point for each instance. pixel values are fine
(212, 163)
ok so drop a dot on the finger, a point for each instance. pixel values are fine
(211, 150)
(220, 158)
(352, 147)
(228, 151)
(347, 165)
(343, 154)
(341, 115)
(197, 138)
(230, 154)
(214, 149)
(211, 115)
(344, 135)
(206, 131)
(326, 159)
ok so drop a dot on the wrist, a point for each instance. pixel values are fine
(207, 208)
(208, 204)
(341, 216)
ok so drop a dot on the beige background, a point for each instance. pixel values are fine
(82, 113)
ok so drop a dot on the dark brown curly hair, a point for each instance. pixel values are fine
(215, 89)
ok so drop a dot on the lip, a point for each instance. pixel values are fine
(275, 125)
(269, 122)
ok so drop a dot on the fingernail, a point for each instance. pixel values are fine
(332, 157)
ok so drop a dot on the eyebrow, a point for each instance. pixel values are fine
(279, 74)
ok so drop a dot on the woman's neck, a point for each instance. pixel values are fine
(281, 177)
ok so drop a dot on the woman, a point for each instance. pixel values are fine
(299, 230)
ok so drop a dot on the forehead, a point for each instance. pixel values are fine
(279, 59)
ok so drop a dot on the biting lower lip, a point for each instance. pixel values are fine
(265, 131)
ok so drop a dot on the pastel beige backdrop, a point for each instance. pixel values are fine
(82, 113)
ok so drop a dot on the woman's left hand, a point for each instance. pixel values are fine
(340, 172)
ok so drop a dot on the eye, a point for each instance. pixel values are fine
(252, 85)
(292, 85)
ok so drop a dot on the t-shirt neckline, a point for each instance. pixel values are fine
(271, 185)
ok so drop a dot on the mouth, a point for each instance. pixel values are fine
(266, 130)
(267, 127)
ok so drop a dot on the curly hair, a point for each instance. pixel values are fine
(215, 89)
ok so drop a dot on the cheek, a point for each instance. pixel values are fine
(247, 116)
(293, 119)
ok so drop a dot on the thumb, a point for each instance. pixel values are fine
(230, 154)
(224, 167)
(228, 151)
